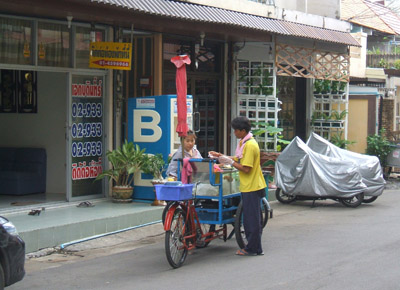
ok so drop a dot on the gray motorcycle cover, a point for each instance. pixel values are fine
(369, 166)
(301, 171)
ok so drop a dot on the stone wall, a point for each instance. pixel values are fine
(387, 115)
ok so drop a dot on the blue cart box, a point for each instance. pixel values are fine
(174, 192)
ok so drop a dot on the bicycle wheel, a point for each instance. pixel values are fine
(264, 212)
(353, 201)
(174, 247)
(282, 197)
(239, 229)
(200, 241)
(166, 208)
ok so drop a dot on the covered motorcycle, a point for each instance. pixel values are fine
(302, 173)
(369, 166)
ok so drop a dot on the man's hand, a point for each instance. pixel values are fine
(213, 154)
(223, 159)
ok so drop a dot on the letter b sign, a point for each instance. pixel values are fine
(146, 127)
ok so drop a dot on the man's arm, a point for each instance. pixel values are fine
(240, 167)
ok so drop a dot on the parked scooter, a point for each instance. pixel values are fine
(303, 174)
(369, 166)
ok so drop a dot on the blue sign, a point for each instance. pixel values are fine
(151, 125)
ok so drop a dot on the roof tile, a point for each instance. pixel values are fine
(201, 13)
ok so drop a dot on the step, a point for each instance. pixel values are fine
(57, 225)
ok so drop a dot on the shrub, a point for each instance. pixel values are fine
(397, 64)
(379, 146)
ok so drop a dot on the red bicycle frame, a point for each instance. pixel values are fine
(192, 219)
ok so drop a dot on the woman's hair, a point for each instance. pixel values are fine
(241, 123)
(191, 133)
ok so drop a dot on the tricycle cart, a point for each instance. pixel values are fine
(199, 212)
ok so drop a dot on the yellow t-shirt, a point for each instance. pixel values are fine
(254, 180)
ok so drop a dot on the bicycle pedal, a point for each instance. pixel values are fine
(200, 243)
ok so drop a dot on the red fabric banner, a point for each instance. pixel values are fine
(180, 62)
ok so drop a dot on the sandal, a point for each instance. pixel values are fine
(243, 252)
(85, 204)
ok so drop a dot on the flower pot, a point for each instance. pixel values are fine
(122, 194)
(267, 162)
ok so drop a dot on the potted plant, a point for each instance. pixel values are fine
(379, 146)
(342, 87)
(326, 86)
(268, 152)
(154, 165)
(335, 87)
(317, 86)
(125, 162)
(339, 141)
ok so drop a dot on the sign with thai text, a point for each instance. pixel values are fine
(86, 134)
(110, 55)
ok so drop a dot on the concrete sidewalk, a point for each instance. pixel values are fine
(65, 222)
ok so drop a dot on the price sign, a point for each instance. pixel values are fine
(86, 134)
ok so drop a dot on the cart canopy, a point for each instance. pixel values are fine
(301, 171)
(369, 166)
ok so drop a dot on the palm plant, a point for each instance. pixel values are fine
(154, 165)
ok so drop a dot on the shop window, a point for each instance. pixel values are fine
(53, 45)
(82, 42)
(15, 41)
(18, 91)
(8, 91)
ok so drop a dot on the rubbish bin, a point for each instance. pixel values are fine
(393, 158)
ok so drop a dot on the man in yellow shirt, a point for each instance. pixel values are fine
(252, 183)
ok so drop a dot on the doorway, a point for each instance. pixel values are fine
(292, 92)
(44, 128)
(204, 78)
(206, 104)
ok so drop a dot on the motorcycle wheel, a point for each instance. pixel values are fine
(369, 199)
(282, 197)
(354, 201)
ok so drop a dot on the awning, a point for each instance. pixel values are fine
(208, 14)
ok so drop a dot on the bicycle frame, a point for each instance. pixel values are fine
(192, 219)
(193, 223)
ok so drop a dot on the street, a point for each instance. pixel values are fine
(328, 246)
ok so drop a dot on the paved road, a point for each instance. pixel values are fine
(324, 247)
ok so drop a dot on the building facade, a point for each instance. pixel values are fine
(243, 63)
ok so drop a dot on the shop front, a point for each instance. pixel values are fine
(50, 99)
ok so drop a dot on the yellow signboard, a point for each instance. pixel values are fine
(110, 55)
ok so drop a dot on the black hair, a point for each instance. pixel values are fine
(191, 133)
(241, 123)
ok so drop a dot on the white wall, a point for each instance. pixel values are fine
(329, 8)
(310, 12)
(358, 56)
(257, 51)
(44, 129)
(244, 6)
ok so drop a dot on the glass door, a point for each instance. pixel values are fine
(85, 137)
(205, 95)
